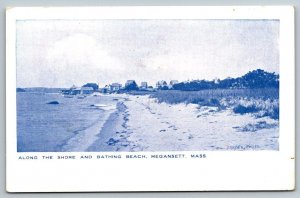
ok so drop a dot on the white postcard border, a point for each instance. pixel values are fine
(225, 170)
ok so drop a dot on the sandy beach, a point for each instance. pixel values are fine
(139, 123)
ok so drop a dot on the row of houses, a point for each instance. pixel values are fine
(78, 90)
(164, 85)
(90, 88)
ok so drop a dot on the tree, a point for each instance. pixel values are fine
(260, 79)
(131, 86)
(93, 85)
(252, 80)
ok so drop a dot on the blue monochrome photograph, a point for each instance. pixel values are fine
(139, 85)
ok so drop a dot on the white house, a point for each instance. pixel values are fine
(144, 85)
(161, 84)
(173, 82)
(115, 87)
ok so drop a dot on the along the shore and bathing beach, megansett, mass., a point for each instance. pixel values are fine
(150, 99)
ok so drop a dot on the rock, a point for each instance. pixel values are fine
(21, 90)
(112, 142)
(53, 102)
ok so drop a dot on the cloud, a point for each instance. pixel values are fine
(78, 58)
(81, 50)
(61, 53)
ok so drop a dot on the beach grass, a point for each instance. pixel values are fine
(260, 102)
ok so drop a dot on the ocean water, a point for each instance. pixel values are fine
(43, 127)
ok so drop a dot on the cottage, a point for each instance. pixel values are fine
(104, 90)
(75, 91)
(86, 90)
(161, 84)
(92, 85)
(66, 91)
(69, 91)
(172, 83)
(144, 85)
(115, 87)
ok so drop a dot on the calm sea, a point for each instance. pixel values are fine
(43, 127)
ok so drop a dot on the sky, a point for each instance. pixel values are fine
(60, 53)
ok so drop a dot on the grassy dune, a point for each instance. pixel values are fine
(259, 102)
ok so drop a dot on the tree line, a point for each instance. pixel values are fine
(252, 80)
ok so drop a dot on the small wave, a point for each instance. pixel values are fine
(105, 107)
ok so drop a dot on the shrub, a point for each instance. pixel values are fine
(196, 100)
(245, 109)
(273, 113)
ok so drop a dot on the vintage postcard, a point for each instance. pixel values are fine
(150, 99)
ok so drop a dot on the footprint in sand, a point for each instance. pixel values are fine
(173, 127)
(124, 136)
(124, 144)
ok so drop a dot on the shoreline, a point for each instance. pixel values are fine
(83, 139)
(113, 135)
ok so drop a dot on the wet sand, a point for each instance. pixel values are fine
(113, 135)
